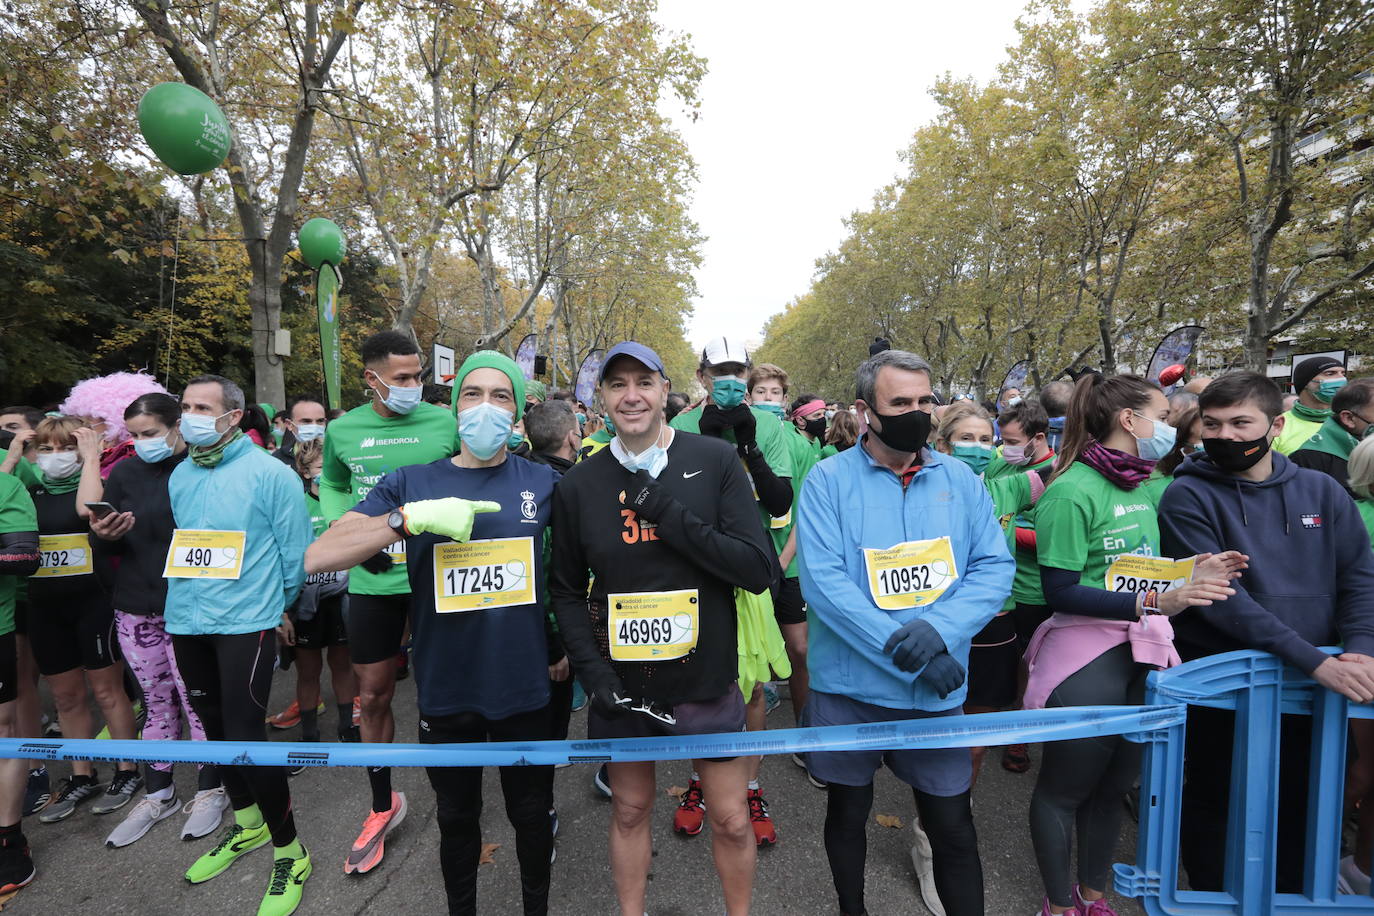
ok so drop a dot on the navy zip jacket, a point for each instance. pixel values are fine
(1311, 576)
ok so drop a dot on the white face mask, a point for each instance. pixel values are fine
(59, 465)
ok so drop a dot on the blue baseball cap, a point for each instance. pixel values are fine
(635, 351)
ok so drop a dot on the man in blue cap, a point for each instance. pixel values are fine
(655, 533)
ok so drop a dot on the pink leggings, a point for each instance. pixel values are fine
(147, 648)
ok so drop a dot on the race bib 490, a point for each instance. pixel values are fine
(911, 574)
(205, 554)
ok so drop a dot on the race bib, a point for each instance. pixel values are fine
(911, 574)
(63, 555)
(396, 550)
(1138, 575)
(205, 554)
(783, 522)
(653, 626)
(480, 575)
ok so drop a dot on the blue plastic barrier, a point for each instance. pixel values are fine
(1259, 687)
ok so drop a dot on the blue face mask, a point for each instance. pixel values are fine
(728, 392)
(514, 440)
(401, 400)
(610, 424)
(1327, 388)
(1159, 443)
(484, 429)
(653, 459)
(775, 409)
(582, 419)
(200, 430)
(973, 454)
(315, 481)
(309, 432)
(152, 450)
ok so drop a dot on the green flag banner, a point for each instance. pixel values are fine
(327, 284)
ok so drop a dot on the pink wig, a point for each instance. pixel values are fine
(107, 397)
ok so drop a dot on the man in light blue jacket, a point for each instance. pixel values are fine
(902, 562)
(235, 563)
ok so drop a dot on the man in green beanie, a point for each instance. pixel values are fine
(474, 529)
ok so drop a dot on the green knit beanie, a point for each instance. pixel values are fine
(492, 359)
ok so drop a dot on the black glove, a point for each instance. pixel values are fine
(914, 644)
(648, 500)
(713, 421)
(741, 419)
(608, 698)
(378, 563)
(943, 674)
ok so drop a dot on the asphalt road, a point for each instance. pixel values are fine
(78, 874)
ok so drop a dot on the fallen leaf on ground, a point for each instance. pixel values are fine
(676, 791)
(889, 820)
(487, 850)
(6, 898)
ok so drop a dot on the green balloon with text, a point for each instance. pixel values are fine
(321, 241)
(184, 127)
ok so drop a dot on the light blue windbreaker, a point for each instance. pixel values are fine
(849, 502)
(253, 492)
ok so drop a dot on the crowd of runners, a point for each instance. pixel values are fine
(668, 563)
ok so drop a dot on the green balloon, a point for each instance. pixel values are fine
(184, 127)
(321, 240)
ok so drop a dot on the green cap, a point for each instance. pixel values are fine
(491, 359)
(269, 410)
(535, 388)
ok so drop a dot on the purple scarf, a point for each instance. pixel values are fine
(1126, 471)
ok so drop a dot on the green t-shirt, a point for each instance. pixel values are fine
(16, 514)
(1084, 522)
(805, 454)
(829, 451)
(362, 447)
(318, 523)
(1366, 507)
(772, 442)
(1011, 498)
(1025, 587)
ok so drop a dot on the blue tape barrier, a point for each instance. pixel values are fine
(1259, 688)
(989, 729)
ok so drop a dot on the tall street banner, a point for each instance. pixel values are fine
(327, 285)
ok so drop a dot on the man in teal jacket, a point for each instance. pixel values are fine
(236, 562)
(902, 562)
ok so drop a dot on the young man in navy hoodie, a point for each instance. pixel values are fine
(1310, 583)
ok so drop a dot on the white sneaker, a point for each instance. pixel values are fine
(206, 810)
(141, 819)
(923, 860)
(1350, 879)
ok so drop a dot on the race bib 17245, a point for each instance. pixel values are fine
(481, 575)
(911, 574)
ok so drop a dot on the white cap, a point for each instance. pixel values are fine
(723, 350)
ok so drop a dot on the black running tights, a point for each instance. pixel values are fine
(227, 680)
(948, 821)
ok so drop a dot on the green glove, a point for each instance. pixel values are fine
(452, 517)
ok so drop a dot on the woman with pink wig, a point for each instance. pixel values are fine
(101, 402)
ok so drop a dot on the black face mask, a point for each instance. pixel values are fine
(903, 432)
(815, 428)
(1235, 456)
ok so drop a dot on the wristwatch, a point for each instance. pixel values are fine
(397, 521)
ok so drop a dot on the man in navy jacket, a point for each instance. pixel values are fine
(1310, 583)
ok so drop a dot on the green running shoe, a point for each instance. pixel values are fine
(285, 888)
(233, 842)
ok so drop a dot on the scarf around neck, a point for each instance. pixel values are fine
(1315, 414)
(1126, 471)
(212, 455)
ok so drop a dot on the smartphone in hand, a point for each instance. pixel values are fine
(100, 509)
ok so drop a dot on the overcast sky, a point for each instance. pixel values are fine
(804, 113)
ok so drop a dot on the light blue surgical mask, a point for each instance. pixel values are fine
(775, 409)
(152, 450)
(610, 424)
(401, 400)
(653, 459)
(484, 429)
(514, 440)
(1327, 388)
(1159, 443)
(974, 454)
(582, 419)
(309, 432)
(728, 392)
(200, 430)
(315, 481)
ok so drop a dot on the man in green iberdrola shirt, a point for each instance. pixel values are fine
(395, 430)
(19, 558)
(1316, 380)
